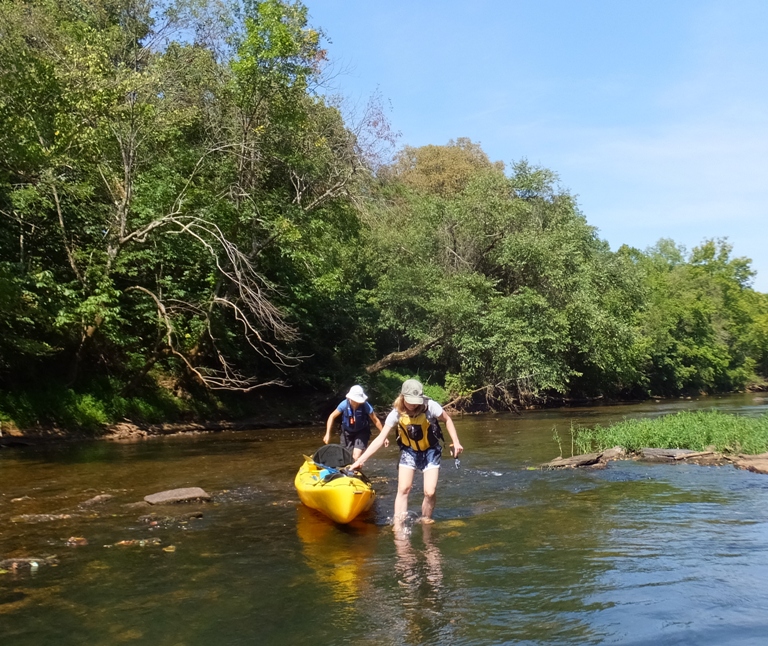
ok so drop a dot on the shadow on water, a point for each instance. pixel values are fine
(635, 553)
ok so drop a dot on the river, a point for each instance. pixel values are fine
(636, 553)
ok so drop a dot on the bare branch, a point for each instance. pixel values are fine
(223, 378)
(250, 333)
(70, 255)
(239, 270)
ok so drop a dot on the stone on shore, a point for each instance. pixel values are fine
(663, 455)
(708, 457)
(185, 494)
(754, 463)
(587, 459)
(595, 460)
(615, 453)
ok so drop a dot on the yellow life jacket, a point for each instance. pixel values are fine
(418, 432)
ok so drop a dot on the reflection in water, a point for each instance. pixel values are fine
(338, 554)
(419, 572)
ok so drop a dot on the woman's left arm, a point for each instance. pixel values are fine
(376, 421)
(449, 426)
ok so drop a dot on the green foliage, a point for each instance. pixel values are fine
(384, 387)
(701, 325)
(684, 430)
(148, 170)
(506, 275)
(195, 212)
(98, 403)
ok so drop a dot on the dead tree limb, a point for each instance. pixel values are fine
(402, 355)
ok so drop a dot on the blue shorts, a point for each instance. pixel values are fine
(421, 460)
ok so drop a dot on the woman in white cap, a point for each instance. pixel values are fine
(356, 416)
(418, 435)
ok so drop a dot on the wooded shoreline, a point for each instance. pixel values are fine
(187, 222)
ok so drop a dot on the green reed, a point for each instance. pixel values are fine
(697, 431)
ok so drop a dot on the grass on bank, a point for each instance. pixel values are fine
(58, 407)
(726, 432)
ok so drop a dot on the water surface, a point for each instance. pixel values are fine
(636, 553)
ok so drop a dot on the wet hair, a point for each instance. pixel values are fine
(399, 405)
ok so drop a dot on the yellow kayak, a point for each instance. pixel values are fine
(331, 490)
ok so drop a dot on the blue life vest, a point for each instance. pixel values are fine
(354, 421)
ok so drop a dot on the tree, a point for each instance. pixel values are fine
(499, 280)
(442, 170)
(162, 186)
(699, 329)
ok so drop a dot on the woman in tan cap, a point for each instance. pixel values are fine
(418, 435)
(356, 415)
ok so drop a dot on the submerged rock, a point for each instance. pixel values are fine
(155, 520)
(76, 541)
(96, 500)
(142, 504)
(39, 518)
(185, 494)
(138, 542)
(28, 562)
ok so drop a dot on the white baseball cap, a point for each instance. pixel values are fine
(356, 394)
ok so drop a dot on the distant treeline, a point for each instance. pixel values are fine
(185, 215)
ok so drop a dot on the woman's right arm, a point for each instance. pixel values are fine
(329, 426)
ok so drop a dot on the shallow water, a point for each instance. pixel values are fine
(632, 554)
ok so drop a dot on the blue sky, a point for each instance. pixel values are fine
(655, 114)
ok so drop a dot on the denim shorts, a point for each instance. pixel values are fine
(421, 460)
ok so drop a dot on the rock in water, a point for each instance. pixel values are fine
(96, 500)
(576, 461)
(185, 494)
(616, 453)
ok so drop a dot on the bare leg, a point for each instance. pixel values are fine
(430, 494)
(356, 453)
(404, 484)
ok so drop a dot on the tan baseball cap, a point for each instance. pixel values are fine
(412, 391)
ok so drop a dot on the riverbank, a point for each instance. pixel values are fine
(102, 412)
(284, 409)
(127, 430)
